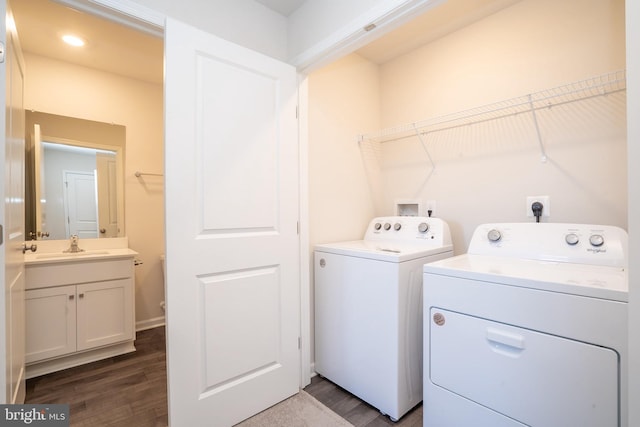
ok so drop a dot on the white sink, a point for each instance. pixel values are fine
(70, 254)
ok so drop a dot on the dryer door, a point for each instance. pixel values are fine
(534, 378)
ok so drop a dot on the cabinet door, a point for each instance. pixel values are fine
(104, 313)
(50, 322)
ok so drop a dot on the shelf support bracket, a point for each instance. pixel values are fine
(543, 154)
(426, 150)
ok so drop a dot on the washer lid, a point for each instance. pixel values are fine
(577, 279)
(382, 250)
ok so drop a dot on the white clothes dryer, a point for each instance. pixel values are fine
(368, 310)
(529, 328)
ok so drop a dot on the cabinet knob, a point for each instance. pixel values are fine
(80, 295)
(71, 297)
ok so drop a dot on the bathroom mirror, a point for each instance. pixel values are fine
(74, 177)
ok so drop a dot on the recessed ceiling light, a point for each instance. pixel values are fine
(73, 40)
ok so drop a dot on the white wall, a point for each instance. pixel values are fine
(244, 22)
(60, 88)
(483, 173)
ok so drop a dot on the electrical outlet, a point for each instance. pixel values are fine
(546, 208)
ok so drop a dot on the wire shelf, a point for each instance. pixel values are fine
(584, 89)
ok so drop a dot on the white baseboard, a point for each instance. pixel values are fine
(150, 323)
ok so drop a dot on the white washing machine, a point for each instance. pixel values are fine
(368, 310)
(529, 328)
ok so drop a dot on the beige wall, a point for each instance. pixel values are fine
(68, 90)
(484, 173)
(343, 100)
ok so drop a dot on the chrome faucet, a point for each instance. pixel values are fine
(73, 245)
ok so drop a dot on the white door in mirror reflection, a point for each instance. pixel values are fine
(80, 211)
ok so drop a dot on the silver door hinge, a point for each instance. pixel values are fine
(296, 111)
(1, 52)
(298, 227)
(299, 343)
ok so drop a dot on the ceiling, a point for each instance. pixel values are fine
(110, 47)
(283, 7)
(118, 49)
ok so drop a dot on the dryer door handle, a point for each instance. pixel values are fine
(505, 342)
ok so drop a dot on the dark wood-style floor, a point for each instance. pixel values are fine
(128, 390)
(131, 391)
(354, 410)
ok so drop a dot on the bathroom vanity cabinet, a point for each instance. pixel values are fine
(78, 310)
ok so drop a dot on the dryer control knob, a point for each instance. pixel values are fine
(423, 227)
(397, 226)
(596, 240)
(494, 235)
(572, 239)
(377, 226)
(387, 226)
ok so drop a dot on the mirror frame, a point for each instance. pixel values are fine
(78, 132)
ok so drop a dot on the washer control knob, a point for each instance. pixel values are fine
(377, 226)
(387, 226)
(572, 239)
(596, 240)
(397, 226)
(423, 227)
(494, 235)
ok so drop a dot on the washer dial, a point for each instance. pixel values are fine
(572, 239)
(423, 227)
(596, 240)
(494, 235)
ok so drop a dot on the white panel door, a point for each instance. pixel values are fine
(80, 209)
(233, 306)
(12, 337)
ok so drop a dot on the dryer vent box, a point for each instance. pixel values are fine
(408, 208)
